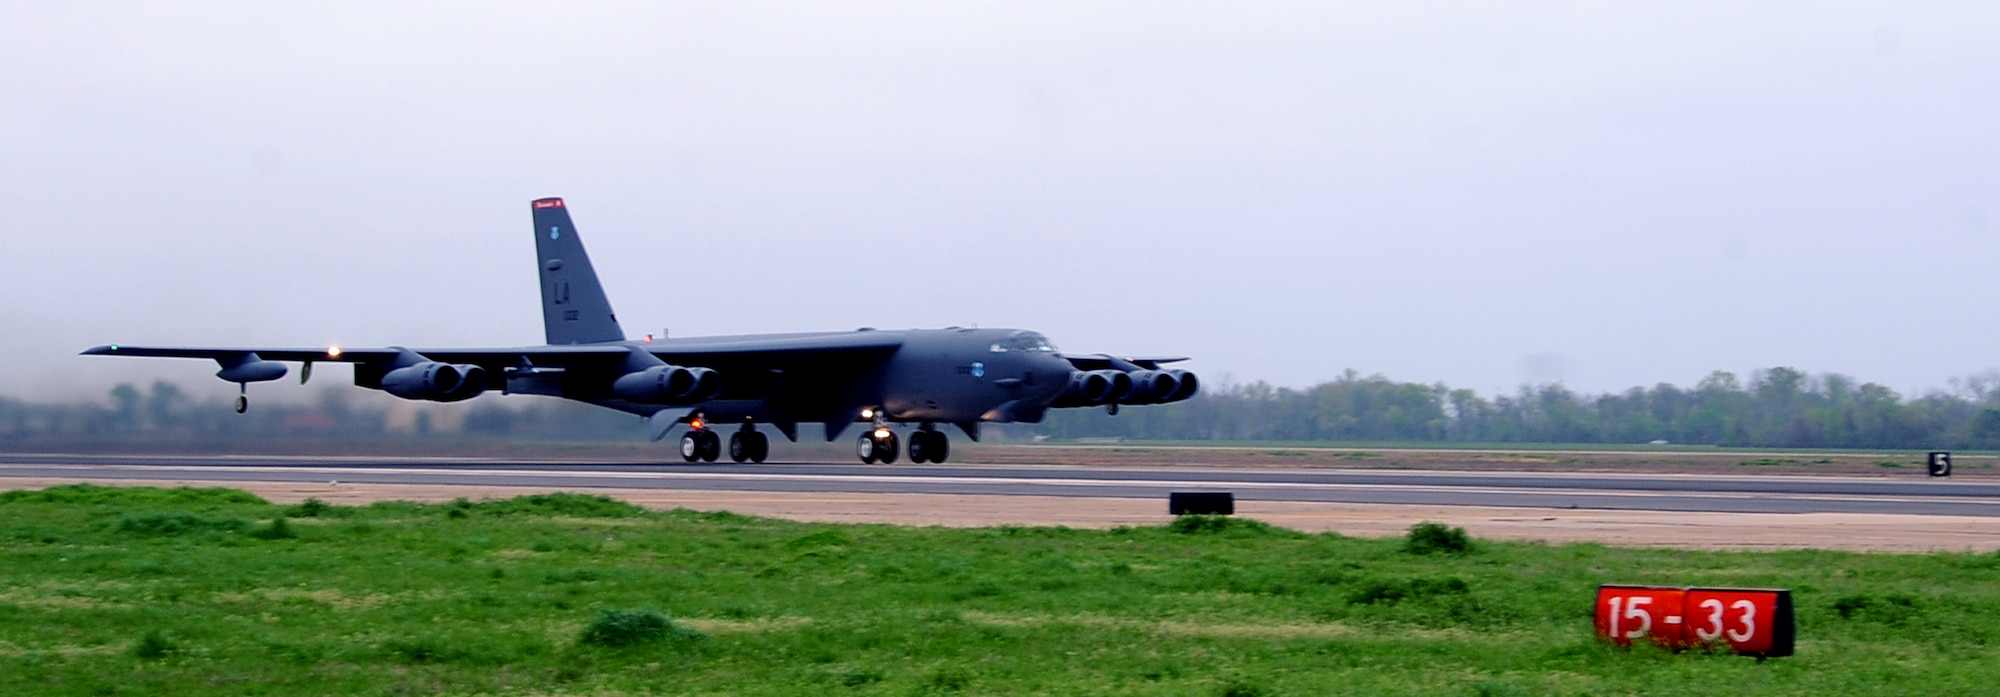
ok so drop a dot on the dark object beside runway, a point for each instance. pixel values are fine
(1201, 503)
(1939, 464)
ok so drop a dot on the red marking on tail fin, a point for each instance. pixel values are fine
(548, 203)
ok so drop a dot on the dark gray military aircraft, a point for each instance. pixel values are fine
(882, 378)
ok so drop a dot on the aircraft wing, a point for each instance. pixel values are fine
(725, 348)
(490, 357)
(1100, 361)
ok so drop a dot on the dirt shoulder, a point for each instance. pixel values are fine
(1855, 532)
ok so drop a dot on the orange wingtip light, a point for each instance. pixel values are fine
(549, 203)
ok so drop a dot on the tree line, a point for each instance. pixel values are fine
(1777, 407)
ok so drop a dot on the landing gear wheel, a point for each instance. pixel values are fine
(711, 446)
(866, 449)
(760, 446)
(929, 446)
(739, 446)
(888, 447)
(242, 404)
(691, 446)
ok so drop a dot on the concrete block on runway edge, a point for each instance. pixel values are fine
(1201, 503)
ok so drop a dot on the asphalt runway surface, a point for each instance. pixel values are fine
(1907, 495)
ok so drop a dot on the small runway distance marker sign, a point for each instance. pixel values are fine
(1750, 621)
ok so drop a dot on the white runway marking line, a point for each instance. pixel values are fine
(1098, 483)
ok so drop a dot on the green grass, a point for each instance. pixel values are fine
(188, 592)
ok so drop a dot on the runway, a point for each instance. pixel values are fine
(1905, 495)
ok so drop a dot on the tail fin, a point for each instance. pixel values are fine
(574, 308)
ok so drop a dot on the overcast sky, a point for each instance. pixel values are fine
(1485, 194)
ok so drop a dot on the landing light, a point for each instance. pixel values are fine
(882, 433)
(865, 413)
(333, 352)
(697, 423)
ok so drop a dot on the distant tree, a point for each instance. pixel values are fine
(163, 405)
(125, 404)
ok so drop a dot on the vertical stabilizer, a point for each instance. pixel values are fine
(574, 308)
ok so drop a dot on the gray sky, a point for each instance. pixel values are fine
(1609, 194)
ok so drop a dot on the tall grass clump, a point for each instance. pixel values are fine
(93, 494)
(557, 504)
(1222, 524)
(176, 524)
(155, 645)
(1437, 538)
(311, 508)
(279, 529)
(618, 628)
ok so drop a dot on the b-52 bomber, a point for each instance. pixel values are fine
(886, 379)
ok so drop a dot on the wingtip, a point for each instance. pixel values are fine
(100, 350)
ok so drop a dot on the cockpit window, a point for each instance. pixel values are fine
(1024, 341)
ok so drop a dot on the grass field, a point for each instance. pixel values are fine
(200, 592)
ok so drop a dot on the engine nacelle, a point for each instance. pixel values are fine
(668, 384)
(660, 383)
(1150, 387)
(1188, 385)
(436, 382)
(1092, 388)
(707, 384)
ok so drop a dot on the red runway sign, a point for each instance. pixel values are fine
(1753, 622)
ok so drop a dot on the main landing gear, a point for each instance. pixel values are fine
(749, 444)
(880, 445)
(702, 444)
(927, 445)
(877, 445)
